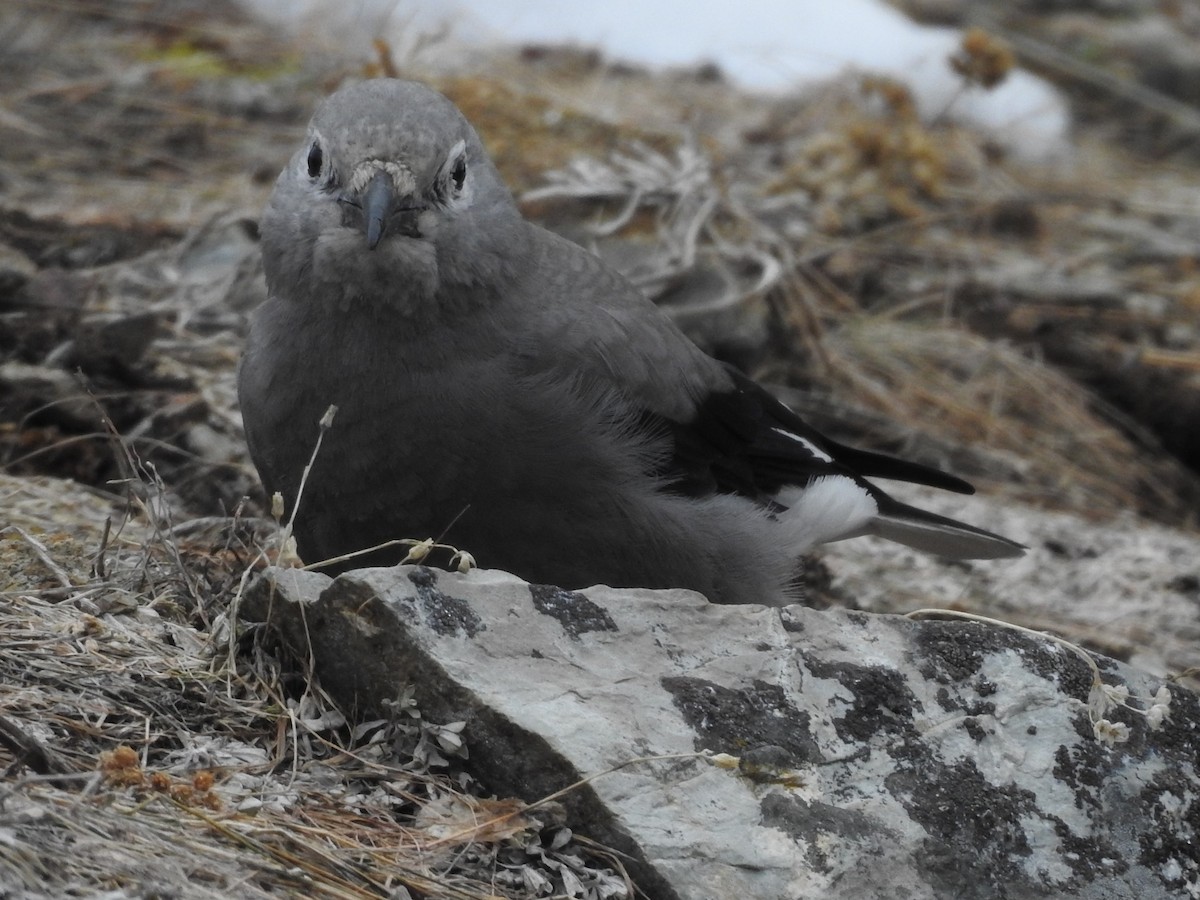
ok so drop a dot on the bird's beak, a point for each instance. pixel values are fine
(378, 200)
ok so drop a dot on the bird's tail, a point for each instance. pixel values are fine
(936, 534)
(837, 507)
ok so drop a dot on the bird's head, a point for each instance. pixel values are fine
(391, 178)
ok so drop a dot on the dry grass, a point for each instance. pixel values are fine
(999, 399)
(153, 743)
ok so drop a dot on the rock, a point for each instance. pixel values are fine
(879, 757)
(1126, 588)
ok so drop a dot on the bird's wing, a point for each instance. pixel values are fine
(727, 433)
(746, 440)
(730, 434)
(594, 327)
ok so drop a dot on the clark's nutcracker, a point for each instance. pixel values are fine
(504, 390)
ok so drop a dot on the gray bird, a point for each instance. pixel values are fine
(502, 389)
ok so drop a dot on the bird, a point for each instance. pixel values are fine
(505, 390)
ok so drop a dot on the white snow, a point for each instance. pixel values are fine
(763, 45)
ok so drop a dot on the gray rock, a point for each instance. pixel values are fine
(879, 757)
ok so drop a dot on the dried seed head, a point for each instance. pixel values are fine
(418, 551)
(983, 59)
(1111, 732)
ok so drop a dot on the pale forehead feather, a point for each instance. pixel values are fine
(392, 120)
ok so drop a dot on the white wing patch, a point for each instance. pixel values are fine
(806, 444)
(830, 508)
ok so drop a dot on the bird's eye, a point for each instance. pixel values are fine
(452, 176)
(315, 158)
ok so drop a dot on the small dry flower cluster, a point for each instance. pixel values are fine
(879, 165)
(460, 560)
(1105, 697)
(983, 59)
(122, 768)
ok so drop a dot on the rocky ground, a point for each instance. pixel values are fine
(905, 285)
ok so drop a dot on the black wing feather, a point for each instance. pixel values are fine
(745, 441)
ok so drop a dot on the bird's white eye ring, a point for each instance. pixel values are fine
(452, 177)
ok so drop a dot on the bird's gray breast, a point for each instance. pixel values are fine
(432, 422)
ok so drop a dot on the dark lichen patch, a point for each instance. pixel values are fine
(445, 614)
(972, 727)
(944, 700)
(731, 721)
(952, 652)
(985, 687)
(974, 837)
(882, 702)
(1080, 767)
(1047, 659)
(980, 708)
(958, 703)
(1089, 857)
(1179, 735)
(1171, 801)
(808, 821)
(1082, 725)
(423, 577)
(575, 612)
